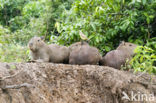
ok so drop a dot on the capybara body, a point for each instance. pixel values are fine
(60, 54)
(41, 52)
(114, 58)
(118, 57)
(84, 54)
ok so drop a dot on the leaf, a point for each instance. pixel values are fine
(97, 39)
(123, 1)
(107, 48)
(148, 20)
(91, 36)
(93, 26)
(141, 59)
(138, 0)
(144, 2)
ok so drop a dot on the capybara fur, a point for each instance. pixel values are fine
(75, 45)
(117, 58)
(84, 54)
(41, 52)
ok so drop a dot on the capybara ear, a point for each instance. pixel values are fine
(42, 37)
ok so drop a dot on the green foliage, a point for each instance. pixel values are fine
(145, 60)
(9, 50)
(13, 53)
(17, 23)
(107, 22)
(4, 35)
(33, 9)
(58, 7)
(9, 9)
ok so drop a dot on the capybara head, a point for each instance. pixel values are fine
(35, 43)
(75, 45)
(128, 47)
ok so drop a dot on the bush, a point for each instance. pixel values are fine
(144, 60)
(13, 53)
(107, 22)
(4, 35)
(33, 9)
(10, 9)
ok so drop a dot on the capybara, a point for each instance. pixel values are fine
(41, 52)
(84, 54)
(118, 57)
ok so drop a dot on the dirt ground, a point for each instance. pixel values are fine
(61, 83)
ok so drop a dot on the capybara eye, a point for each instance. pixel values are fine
(38, 40)
(130, 45)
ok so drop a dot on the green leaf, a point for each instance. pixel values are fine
(93, 26)
(144, 2)
(107, 48)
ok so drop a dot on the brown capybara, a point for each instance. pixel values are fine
(75, 45)
(117, 58)
(41, 52)
(114, 58)
(84, 54)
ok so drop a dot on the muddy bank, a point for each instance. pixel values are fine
(59, 83)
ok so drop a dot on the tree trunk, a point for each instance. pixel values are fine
(60, 83)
